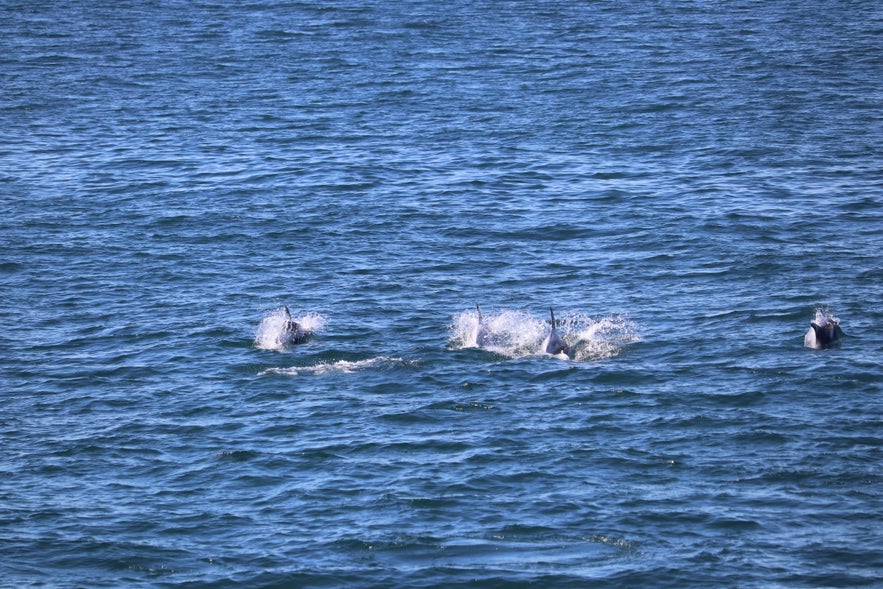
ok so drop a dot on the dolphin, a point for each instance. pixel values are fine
(824, 331)
(556, 345)
(481, 333)
(293, 332)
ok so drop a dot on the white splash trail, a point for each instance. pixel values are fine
(340, 366)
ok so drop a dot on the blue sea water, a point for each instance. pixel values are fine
(686, 183)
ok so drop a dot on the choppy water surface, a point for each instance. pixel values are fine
(686, 184)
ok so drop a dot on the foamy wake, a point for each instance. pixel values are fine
(517, 334)
(340, 366)
(270, 334)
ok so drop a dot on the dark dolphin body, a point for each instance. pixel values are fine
(556, 345)
(823, 332)
(293, 332)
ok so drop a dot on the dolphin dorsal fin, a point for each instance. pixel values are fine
(478, 309)
(552, 313)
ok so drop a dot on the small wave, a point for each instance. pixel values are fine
(340, 366)
(517, 334)
(270, 334)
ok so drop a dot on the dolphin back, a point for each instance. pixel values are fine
(555, 345)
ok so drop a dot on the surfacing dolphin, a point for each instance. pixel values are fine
(824, 331)
(481, 332)
(556, 345)
(293, 332)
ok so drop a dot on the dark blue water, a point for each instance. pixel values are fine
(686, 183)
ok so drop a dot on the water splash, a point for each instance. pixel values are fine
(825, 317)
(270, 334)
(518, 334)
(596, 339)
(824, 330)
(511, 333)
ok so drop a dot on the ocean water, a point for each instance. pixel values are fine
(686, 183)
